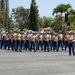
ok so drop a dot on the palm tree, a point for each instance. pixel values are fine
(61, 8)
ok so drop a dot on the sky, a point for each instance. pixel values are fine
(45, 7)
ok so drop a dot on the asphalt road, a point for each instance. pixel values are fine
(36, 63)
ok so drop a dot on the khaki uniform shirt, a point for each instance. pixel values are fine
(15, 36)
(71, 38)
(19, 36)
(41, 37)
(56, 38)
(0, 37)
(60, 36)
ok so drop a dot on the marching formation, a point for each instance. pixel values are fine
(38, 41)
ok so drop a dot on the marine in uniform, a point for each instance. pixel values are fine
(23, 42)
(0, 41)
(28, 41)
(71, 44)
(15, 42)
(34, 42)
(41, 41)
(66, 36)
(37, 41)
(50, 41)
(19, 42)
(55, 42)
(46, 42)
(6, 41)
(60, 40)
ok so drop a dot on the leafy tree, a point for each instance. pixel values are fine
(15, 25)
(21, 15)
(40, 23)
(71, 15)
(71, 19)
(72, 27)
(33, 17)
(57, 23)
(47, 21)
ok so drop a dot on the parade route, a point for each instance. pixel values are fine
(36, 63)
